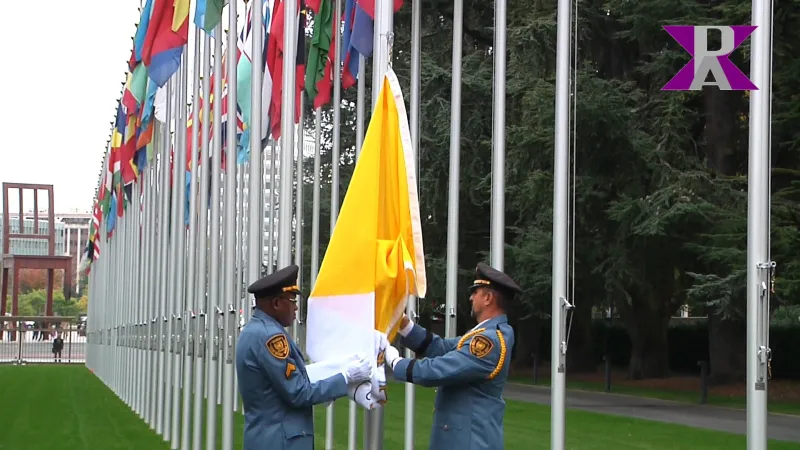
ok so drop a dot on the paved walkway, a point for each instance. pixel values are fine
(779, 426)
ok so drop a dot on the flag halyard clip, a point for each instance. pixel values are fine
(390, 46)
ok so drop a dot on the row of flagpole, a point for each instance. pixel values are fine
(201, 317)
(138, 332)
(153, 339)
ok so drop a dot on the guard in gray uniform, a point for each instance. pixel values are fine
(275, 389)
(469, 371)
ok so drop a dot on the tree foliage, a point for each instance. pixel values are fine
(658, 199)
(33, 304)
(35, 279)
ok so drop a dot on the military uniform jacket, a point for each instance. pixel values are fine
(470, 372)
(275, 389)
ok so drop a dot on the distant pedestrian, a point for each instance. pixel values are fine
(58, 346)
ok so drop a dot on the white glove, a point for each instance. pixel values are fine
(358, 371)
(361, 394)
(381, 340)
(392, 356)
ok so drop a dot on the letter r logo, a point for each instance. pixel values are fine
(726, 76)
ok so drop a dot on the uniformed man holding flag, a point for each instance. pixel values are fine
(275, 388)
(470, 370)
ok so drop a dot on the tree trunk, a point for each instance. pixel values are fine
(727, 350)
(720, 133)
(649, 346)
(646, 320)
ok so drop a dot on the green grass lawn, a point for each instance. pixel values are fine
(66, 407)
(739, 402)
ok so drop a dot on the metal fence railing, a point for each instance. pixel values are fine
(29, 340)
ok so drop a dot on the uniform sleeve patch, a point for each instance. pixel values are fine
(278, 346)
(480, 346)
(290, 368)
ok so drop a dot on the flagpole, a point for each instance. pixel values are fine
(411, 308)
(287, 138)
(214, 279)
(153, 256)
(135, 297)
(123, 299)
(141, 373)
(451, 309)
(128, 299)
(169, 275)
(361, 103)
(173, 366)
(219, 314)
(112, 308)
(175, 273)
(137, 303)
(381, 45)
(560, 302)
(139, 377)
(255, 215)
(336, 60)
(162, 293)
(315, 219)
(141, 297)
(230, 239)
(760, 268)
(183, 372)
(337, 113)
(149, 241)
(179, 206)
(133, 306)
(120, 299)
(497, 236)
(315, 197)
(110, 312)
(119, 313)
(352, 422)
(242, 307)
(381, 61)
(273, 230)
(101, 310)
(298, 242)
(241, 275)
(192, 303)
(124, 365)
(203, 295)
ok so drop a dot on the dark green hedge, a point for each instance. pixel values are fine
(688, 344)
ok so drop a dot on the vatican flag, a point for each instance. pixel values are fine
(375, 259)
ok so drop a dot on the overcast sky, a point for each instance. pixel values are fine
(62, 82)
(64, 65)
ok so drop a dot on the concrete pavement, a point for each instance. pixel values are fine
(779, 426)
